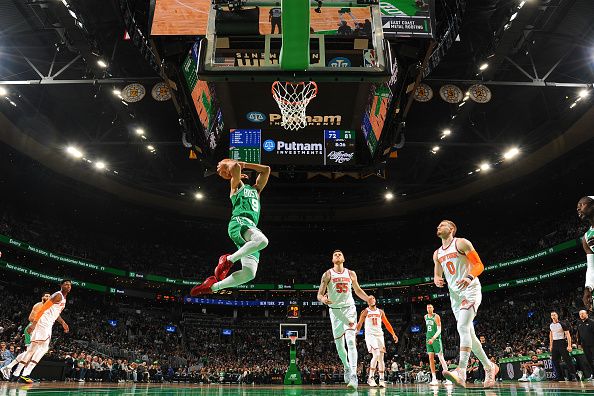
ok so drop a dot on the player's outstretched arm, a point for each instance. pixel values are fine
(476, 265)
(322, 297)
(388, 325)
(358, 291)
(361, 320)
(34, 311)
(437, 272)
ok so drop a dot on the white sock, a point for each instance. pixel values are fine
(479, 352)
(342, 352)
(18, 370)
(464, 356)
(371, 373)
(255, 241)
(351, 342)
(590, 271)
(249, 266)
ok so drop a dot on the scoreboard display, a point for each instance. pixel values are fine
(325, 147)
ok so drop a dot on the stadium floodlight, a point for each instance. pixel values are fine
(447, 132)
(389, 196)
(511, 153)
(484, 66)
(102, 63)
(584, 93)
(485, 166)
(117, 92)
(74, 152)
(199, 196)
(150, 148)
(100, 165)
(3, 91)
(139, 131)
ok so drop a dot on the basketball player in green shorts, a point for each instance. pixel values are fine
(242, 229)
(585, 210)
(434, 346)
(7, 370)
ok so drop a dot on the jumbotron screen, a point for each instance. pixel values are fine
(400, 18)
(327, 147)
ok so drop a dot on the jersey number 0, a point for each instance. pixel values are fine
(451, 268)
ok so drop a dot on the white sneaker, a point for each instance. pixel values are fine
(347, 375)
(490, 375)
(457, 376)
(353, 383)
(523, 379)
(382, 383)
(434, 382)
(6, 373)
(448, 382)
(371, 382)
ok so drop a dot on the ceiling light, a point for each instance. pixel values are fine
(484, 66)
(513, 16)
(485, 166)
(100, 165)
(584, 93)
(102, 63)
(150, 148)
(447, 132)
(199, 195)
(3, 91)
(139, 131)
(389, 196)
(73, 151)
(117, 92)
(435, 148)
(521, 4)
(572, 105)
(143, 137)
(511, 153)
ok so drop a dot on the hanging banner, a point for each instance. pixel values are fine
(407, 18)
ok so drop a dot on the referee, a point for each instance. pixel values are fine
(585, 338)
(560, 346)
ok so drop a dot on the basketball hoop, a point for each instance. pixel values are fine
(293, 338)
(292, 99)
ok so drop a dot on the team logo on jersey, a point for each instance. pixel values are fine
(269, 145)
(256, 116)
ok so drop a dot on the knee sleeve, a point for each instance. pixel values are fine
(256, 236)
(350, 338)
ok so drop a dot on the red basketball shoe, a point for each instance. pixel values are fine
(223, 267)
(204, 287)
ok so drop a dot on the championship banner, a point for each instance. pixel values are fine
(408, 18)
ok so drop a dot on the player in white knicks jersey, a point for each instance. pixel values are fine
(461, 265)
(373, 317)
(41, 328)
(339, 284)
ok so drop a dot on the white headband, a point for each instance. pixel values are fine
(591, 197)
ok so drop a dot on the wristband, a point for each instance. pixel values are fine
(469, 276)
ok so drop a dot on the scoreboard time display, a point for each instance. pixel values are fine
(327, 147)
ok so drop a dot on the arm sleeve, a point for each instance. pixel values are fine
(476, 265)
(43, 308)
(386, 323)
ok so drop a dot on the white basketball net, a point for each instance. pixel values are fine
(292, 99)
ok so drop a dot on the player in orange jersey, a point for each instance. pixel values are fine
(461, 265)
(373, 317)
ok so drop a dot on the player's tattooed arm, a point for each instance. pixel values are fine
(322, 296)
(437, 272)
(358, 291)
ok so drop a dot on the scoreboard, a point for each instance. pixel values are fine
(321, 147)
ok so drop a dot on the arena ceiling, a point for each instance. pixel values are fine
(540, 71)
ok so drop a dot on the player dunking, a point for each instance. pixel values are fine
(585, 210)
(433, 341)
(242, 228)
(41, 328)
(340, 282)
(7, 370)
(373, 317)
(461, 264)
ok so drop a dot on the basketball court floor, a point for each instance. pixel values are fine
(505, 389)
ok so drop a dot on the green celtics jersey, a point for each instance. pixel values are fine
(431, 326)
(589, 238)
(246, 203)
